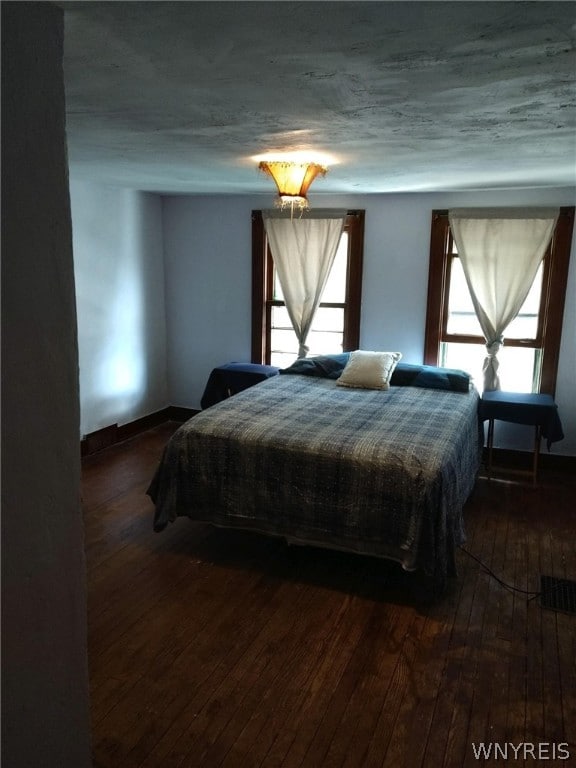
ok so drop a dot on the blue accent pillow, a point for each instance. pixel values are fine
(322, 366)
(430, 377)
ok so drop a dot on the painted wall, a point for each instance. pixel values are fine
(45, 717)
(118, 262)
(207, 243)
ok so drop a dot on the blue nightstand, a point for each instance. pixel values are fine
(539, 411)
(228, 379)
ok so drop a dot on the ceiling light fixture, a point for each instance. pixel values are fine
(292, 179)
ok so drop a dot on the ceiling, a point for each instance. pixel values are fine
(407, 96)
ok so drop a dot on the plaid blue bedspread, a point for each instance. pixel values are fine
(376, 472)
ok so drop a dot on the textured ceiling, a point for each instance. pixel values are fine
(408, 96)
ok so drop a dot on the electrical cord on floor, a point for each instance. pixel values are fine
(509, 587)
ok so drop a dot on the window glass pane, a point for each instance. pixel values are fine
(325, 337)
(519, 366)
(281, 319)
(335, 289)
(525, 325)
(282, 359)
(278, 295)
(465, 357)
(328, 319)
(324, 343)
(284, 341)
(461, 314)
(325, 319)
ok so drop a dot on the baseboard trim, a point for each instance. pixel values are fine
(97, 441)
(178, 413)
(504, 457)
(107, 436)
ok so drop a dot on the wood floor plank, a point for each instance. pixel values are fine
(363, 707)
(534, 661)
(232, 650)
(171, 697)
(552, 685)
(346, 685)
(294, 737)
(501, 600)
(258, 744)
(268, 699)
(446, 712)
(517, 685)
(393, 729)
(472, 657)
(487, 528)
(174, 624)
(261, 644)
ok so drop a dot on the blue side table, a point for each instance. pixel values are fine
(231, 378)
(539, 411)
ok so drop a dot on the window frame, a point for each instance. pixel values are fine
(263, 286)
(556, 262)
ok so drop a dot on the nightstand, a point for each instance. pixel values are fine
(539, 411)
(231, 378)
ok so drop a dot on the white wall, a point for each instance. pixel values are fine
(207, 243)
(118, 262)
(208, 270)
(45, 717)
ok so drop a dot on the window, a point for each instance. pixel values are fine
(529, 356)
(336, 325)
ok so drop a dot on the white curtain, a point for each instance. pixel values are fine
(500, 251)
(303, 251)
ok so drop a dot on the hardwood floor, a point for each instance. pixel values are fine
(219, 648)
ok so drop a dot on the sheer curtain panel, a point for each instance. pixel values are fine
(500, 251)
(303, 250)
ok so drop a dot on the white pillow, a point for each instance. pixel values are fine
(369, 370)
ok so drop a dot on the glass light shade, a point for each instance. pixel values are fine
(292, 180)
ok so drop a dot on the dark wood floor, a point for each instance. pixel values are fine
(218, 648)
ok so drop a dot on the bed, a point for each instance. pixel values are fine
(383, 473)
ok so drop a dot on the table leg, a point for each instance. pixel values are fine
(490, 443)
(537, 436)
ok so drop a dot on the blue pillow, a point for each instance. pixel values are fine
(430, 377)
(321, 366)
